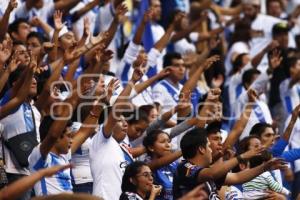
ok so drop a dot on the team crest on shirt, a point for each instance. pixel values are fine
(133, 196)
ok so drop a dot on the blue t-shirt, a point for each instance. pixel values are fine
(164, 177)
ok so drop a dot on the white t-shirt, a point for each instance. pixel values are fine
(236, 49)
(43, 13)
(289, 96)
(166, 98)
(81, 172)
(183, 46)
(107, 165)
(58, 183)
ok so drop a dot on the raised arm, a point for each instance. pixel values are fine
(191, 84)
(66, 5)
(121, 101)
(220, 169)
(91, 121)
(23, 91)
(37, 22)
(5, 18)
(165, 160)
(239, 126)
(5, 52)
(79, 13)
(17, 188)
(248, 174)
(259, 56)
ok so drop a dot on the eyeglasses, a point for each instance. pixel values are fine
(146, 174)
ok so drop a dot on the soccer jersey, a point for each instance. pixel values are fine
(166, 95)
(17, 122)
(43, 13)
(108, 165)
(164, 177)
(81, 173)
(186, 179)
(59, 182)
(290, 96)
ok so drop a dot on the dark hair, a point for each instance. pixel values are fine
(241, 32)
(191, 141)
(280, 29)
(14, 27)
(260, 159)
(38, 36)
(243, 145)
(130, 172)
(147, 108)
(150, 139)
(238, 62)
(213, 127)
(259, 128)
(15, 75)
(291, 62)
(135, 116)
(46, 124)
(248, 76)
(168, 59)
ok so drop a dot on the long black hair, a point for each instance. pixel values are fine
(150, 139)
(130, 172)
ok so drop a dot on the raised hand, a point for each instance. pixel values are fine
(272, 45)
(165, 72)
(253, 152)
(14, 62)
(86, 25)
(33, 65)
(140, 61)
(252, 96)
(121, 10)
(137, 74)
(178, 18)
(198, 193)
(211, 60)
(12, 5)
(275, 59)
(112, 86)
(101, 37)
(276, 163)
(57, 18)
(5, 52)
(35, 21)
(213, 95)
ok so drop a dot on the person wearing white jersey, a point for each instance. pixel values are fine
(82, 179)
(57, 146)
(261, 113)
(290, 88)
(108, 157)
(166, 92)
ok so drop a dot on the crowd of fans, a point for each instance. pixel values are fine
(150, 99)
